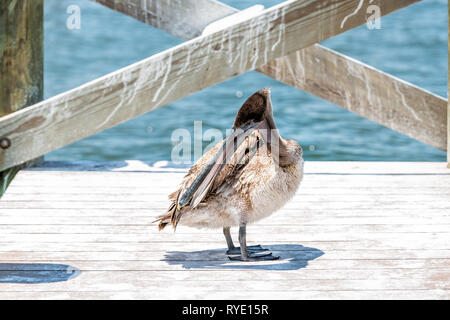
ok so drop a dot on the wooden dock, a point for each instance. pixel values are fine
(357, 230)
(83, 230)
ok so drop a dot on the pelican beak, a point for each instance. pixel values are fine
(270, 134)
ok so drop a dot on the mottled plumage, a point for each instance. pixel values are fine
(252, 184)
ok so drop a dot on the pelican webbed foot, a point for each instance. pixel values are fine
(237, 250)
(254, 256)
(244, 252)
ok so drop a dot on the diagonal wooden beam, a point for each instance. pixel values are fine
(185, 19)
(363, 90)
(172, 74)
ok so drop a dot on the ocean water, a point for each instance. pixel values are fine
(411, 44)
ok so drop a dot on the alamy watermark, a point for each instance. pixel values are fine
(374, 17)
(187, 148)
(73, 22)
(183, 148)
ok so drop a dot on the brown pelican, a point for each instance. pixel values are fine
(248, 176)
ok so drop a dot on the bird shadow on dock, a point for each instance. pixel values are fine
(36, 272)
(292, 257)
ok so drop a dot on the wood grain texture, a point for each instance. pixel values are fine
(373, 233)
(21, 54)
(21, 63)
(185, 19)
(226, 294)
(175, 73)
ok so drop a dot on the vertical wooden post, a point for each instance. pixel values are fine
(21, 61)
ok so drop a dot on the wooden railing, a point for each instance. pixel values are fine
(281, 42)
(364, 90)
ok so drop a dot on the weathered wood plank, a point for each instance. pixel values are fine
(426, 240)
(333, 250)
(416, 250)
(21, 54)
(364, 90)
(156, 81)
(125, 215)
(311, 167)
(104, 181)
(378, 218)
(82, 167)
(141, 178)
(99, 281)
(142, 197)
(284, 264)
(273, 275)
(306, 218)
(185, 19)
(223, 295)
(135, 191)
(176, 262)
(351, 226)
(162, 206)
(326, 249)
(219, 254)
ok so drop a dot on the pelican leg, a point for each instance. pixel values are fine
(237, 250)
(247, 255)
(227, 234)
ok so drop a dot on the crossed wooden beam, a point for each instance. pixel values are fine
(279, 42)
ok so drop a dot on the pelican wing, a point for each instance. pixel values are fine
(230, 170)
(222, 163)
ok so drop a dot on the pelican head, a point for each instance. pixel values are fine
(257, 109)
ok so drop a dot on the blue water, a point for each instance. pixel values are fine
(411, 44)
